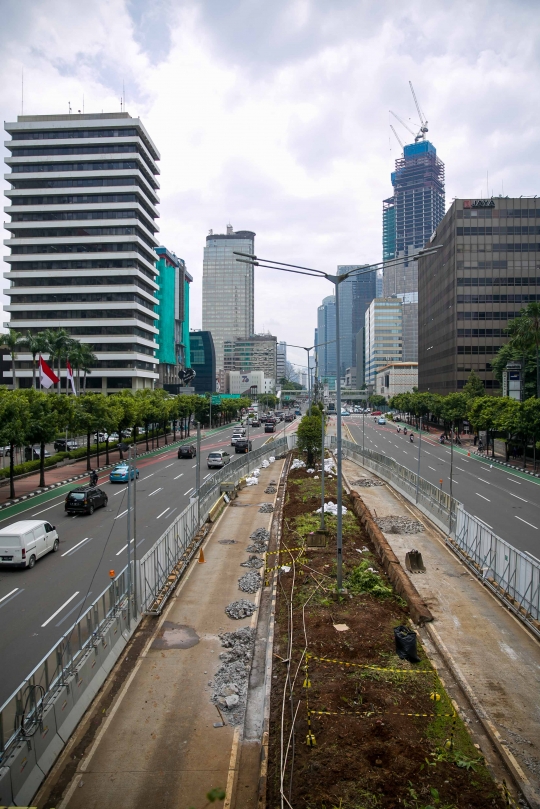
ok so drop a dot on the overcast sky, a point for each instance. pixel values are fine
(273, 116)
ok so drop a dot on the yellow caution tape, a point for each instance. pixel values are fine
(364, 666)
(375, 713)
(286, 550)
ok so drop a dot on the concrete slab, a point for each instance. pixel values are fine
(496, 660)
(159, 746)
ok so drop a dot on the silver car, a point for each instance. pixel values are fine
(218, 459)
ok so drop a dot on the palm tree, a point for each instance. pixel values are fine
(35, 344)
(12, 342)
(58, 341)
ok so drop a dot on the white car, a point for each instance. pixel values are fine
(22, 543)
(236, 436)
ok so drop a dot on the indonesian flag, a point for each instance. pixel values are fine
(47, 377)
(70, 377)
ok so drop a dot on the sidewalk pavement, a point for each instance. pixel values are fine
(159, 745)
(492, 656)
(24, 486)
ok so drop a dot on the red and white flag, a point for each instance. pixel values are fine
(47, 377)
(70, 377)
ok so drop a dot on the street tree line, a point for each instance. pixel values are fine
(30, 417)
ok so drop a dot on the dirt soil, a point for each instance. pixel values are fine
(384, 730)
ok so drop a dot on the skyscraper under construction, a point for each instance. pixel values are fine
(410, 217)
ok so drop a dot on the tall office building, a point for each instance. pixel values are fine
(281, 360)
(382, 335)
(203, 361)
(83, 213)
(257, 353)
(173, 324)
(410, 217)
(326, 333)
(355, 296)
(228, 295)
(483, 275)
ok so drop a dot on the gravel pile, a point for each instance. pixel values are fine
(240, 609)
(270, 490)
(366, 482)
(231, 679)
(399, 525)
(253, 561)
(266, 508)
(250, 582)
(257, 547)
(261, 534)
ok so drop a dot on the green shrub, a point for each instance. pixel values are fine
(362, 579)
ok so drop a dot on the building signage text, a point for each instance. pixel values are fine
(478, 203)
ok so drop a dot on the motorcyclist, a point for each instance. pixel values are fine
(441, 439)
(404, 431)
(411, 437)
(93, 478)
(399, 429)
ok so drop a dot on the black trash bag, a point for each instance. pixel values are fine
(406, 644)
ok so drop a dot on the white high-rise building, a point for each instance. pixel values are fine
(228, 295)
(383, 335)
(83, 214)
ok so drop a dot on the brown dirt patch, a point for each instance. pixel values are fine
(370, 751)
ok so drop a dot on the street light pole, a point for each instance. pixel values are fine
(338, 453)
(418, 470)
(135, 593)
(198, 473)
(129, 541)
(322, 525)
(451, 476)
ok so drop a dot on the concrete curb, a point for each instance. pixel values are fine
(507, 465)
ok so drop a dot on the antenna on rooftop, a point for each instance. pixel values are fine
(69, 107)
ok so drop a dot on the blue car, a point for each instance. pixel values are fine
(120, 473)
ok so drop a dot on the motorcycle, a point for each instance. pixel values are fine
(411, 438)
(405, 431)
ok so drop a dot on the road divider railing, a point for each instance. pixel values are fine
(37, 721)
(512, 575)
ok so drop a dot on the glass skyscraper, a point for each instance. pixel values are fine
(228, 294)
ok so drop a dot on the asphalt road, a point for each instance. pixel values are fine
(508, 502)
(38, 606)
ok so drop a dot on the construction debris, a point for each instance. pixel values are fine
(266, 508)
(260, 534)
(331, 508)
(240, 609)
(366, 482)
(257, 547)
(253, 561)
(270, 490)
(399, 525)
(252, 481)
(250, 582)
(298, 464)
(231, 680)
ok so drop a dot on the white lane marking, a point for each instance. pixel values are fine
(405, 451)
(178, 476)
(124, 548)
(59, 610)
(194, 465)
(170, 464)
(460, 469)
(120, 492)
(76, 546)
(425, 451)
(189, 490)
(484, 481)
(518, 483)
(156, 491)
(429, 467)
(44, 510)
(8, 595)
(121, 515)
(163, 512)
(76, 607)
(531, 555)
(464, 461)
(483, 521)
(526, 523)
(149, 476)
(517, 497)
(483, 498)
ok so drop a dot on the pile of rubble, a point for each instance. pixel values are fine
(366, 482)
(260, 539)
(250, 582)
(399, 525)
(240, 609)
(253, 561)
(252, 481)
(231, 680)
(298, 464)
(266, 508)
(270, 490)
(331, 508)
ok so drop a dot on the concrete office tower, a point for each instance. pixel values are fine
(203, 361)
(173, 324)
(355, 296)
(281, 361)
(383, 335)
(228, 303)
(257, 353)
(485, 273)
(83, 213)
(326, 333)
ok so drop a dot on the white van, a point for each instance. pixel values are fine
(23, 542)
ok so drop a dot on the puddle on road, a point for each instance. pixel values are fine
(175, 636)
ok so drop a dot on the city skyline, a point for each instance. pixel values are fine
(310, 199)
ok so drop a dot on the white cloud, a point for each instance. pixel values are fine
(274, 116)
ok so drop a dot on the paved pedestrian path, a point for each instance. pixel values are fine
(159, 745)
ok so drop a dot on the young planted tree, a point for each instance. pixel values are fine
(310, 436)
(14, 421)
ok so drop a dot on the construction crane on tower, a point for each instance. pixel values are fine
(397, 136)
(423, 126)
